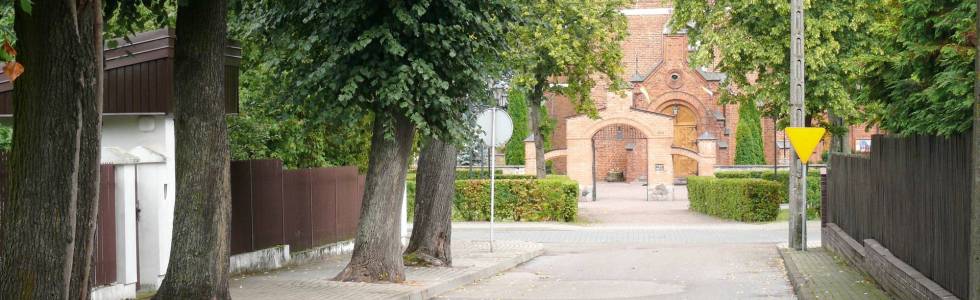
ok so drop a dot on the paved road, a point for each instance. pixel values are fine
(633, 249)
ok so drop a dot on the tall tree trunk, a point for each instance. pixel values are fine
(534, 102)
(377, 247)
(435, 189)
(48, 220)
(839, 143)
(199, 256)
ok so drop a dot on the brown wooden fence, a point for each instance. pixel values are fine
(104, 253)
(302, 208)
(912, 195)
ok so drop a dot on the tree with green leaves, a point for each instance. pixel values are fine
(750, 41)
(566, 48)
(414, 66)
(920, 78)
(268, 127)
(748, 136)
(47, 219)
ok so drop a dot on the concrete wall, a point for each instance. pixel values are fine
(145, 194)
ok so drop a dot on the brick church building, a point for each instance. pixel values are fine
(669, 125)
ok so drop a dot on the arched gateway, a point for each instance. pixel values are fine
(638, 143)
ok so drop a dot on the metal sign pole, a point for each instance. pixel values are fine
(493, 170)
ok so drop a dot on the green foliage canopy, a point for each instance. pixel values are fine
(573, 39)
(752, 39)
(268, 127)
(905, 65)
(343, 60)
(921, 79)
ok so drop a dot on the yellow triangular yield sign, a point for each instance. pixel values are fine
(805, 140)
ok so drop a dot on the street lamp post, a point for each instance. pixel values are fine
(500, 96)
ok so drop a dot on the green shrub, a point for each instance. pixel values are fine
(812, 185)
(517, 108)
(477, 173)
(550, 199)
(748, 136)
(740, 199)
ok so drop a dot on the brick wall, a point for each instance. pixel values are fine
(559, 108)
(768, 145)
(652, 3)
(861, 132)
(613, 155)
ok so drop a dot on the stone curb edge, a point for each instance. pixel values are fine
(442, 287)
(796, 278)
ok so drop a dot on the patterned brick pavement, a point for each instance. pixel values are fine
(816, 274)
(472, 261)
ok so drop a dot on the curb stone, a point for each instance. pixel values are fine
(452, 284)
(472, 262)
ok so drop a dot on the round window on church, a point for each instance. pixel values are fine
(675, 80)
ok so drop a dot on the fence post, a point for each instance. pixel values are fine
(823, 197)
(975, 195)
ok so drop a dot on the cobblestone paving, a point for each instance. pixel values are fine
(472, 260)
(818, 275)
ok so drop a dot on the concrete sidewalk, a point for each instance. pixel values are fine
(817, 274)
(472, 261)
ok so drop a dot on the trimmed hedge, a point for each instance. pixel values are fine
(812, 185)
(740, 199)
(477, 173)
(551, 199)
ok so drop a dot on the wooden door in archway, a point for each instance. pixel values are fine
(684, 166)
(686, 137)
(685, 126)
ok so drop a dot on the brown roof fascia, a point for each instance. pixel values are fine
(143, 47)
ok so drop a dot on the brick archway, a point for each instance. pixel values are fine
(621, 149)
(665, 100)
(655, 127)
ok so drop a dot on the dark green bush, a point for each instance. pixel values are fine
(477, 173)
(812, 185)
(551, 199)
(748, 136)
(740, 199)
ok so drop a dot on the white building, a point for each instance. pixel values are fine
(138, 139)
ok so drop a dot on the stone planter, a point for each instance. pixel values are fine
(615, 176)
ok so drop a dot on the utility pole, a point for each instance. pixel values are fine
(797, 176)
